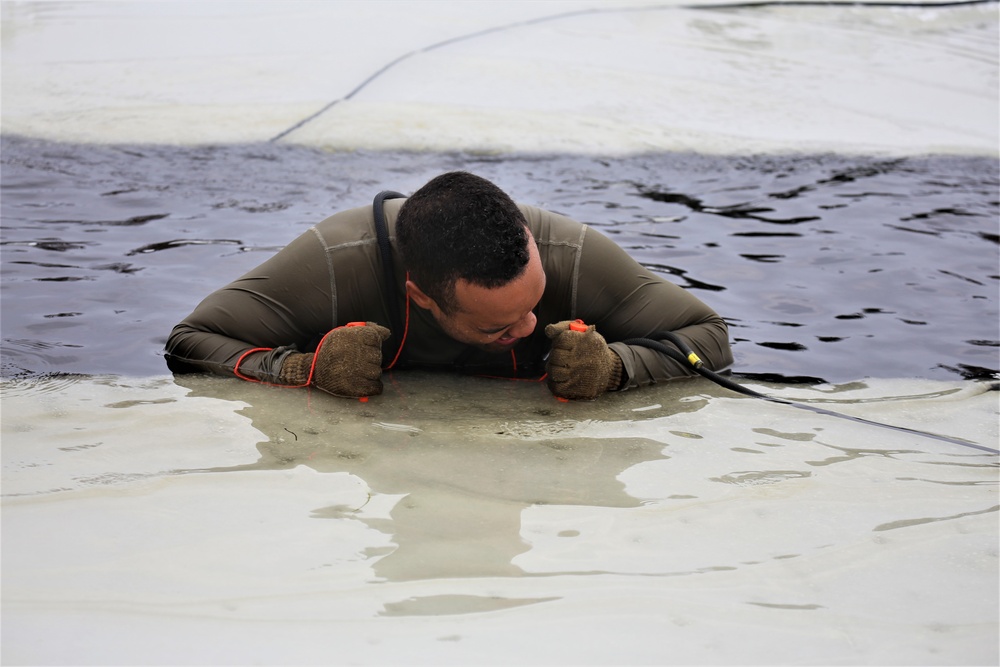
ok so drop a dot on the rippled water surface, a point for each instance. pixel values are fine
(826, 267)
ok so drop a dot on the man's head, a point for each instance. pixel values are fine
(471, 259)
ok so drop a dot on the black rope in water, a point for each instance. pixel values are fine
(686, 356)
(752, 4)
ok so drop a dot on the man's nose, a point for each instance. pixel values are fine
(524, 328)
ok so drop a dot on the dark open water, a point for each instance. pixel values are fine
(827, 267)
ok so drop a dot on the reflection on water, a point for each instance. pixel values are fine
(826, 267)
(474, 466)
(463, 474)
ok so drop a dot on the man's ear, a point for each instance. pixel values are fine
(419, 297)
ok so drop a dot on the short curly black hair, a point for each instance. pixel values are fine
(461, 226)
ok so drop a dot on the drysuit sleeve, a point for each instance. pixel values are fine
(283, 304)
(626, 300)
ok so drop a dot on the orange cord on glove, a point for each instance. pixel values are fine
(312, 367)
(236, 368)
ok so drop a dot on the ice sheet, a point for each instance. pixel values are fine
(468, 521)
(582, 77)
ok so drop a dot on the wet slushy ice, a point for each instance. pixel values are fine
(451, 516)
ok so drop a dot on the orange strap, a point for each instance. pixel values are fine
(236, 368)
(406, 330)
(312, 367)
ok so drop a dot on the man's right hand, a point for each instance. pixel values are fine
(348, 362)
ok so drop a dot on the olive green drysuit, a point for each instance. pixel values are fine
(333, 274)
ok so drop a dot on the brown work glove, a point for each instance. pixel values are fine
(581, 365)
(348, 362)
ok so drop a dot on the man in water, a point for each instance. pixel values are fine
(463, 279)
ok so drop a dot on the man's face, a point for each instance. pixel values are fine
(493, 320)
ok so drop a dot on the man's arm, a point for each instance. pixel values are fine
(284, 304)
(625, 300)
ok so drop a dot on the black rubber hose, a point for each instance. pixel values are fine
(686, 356)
